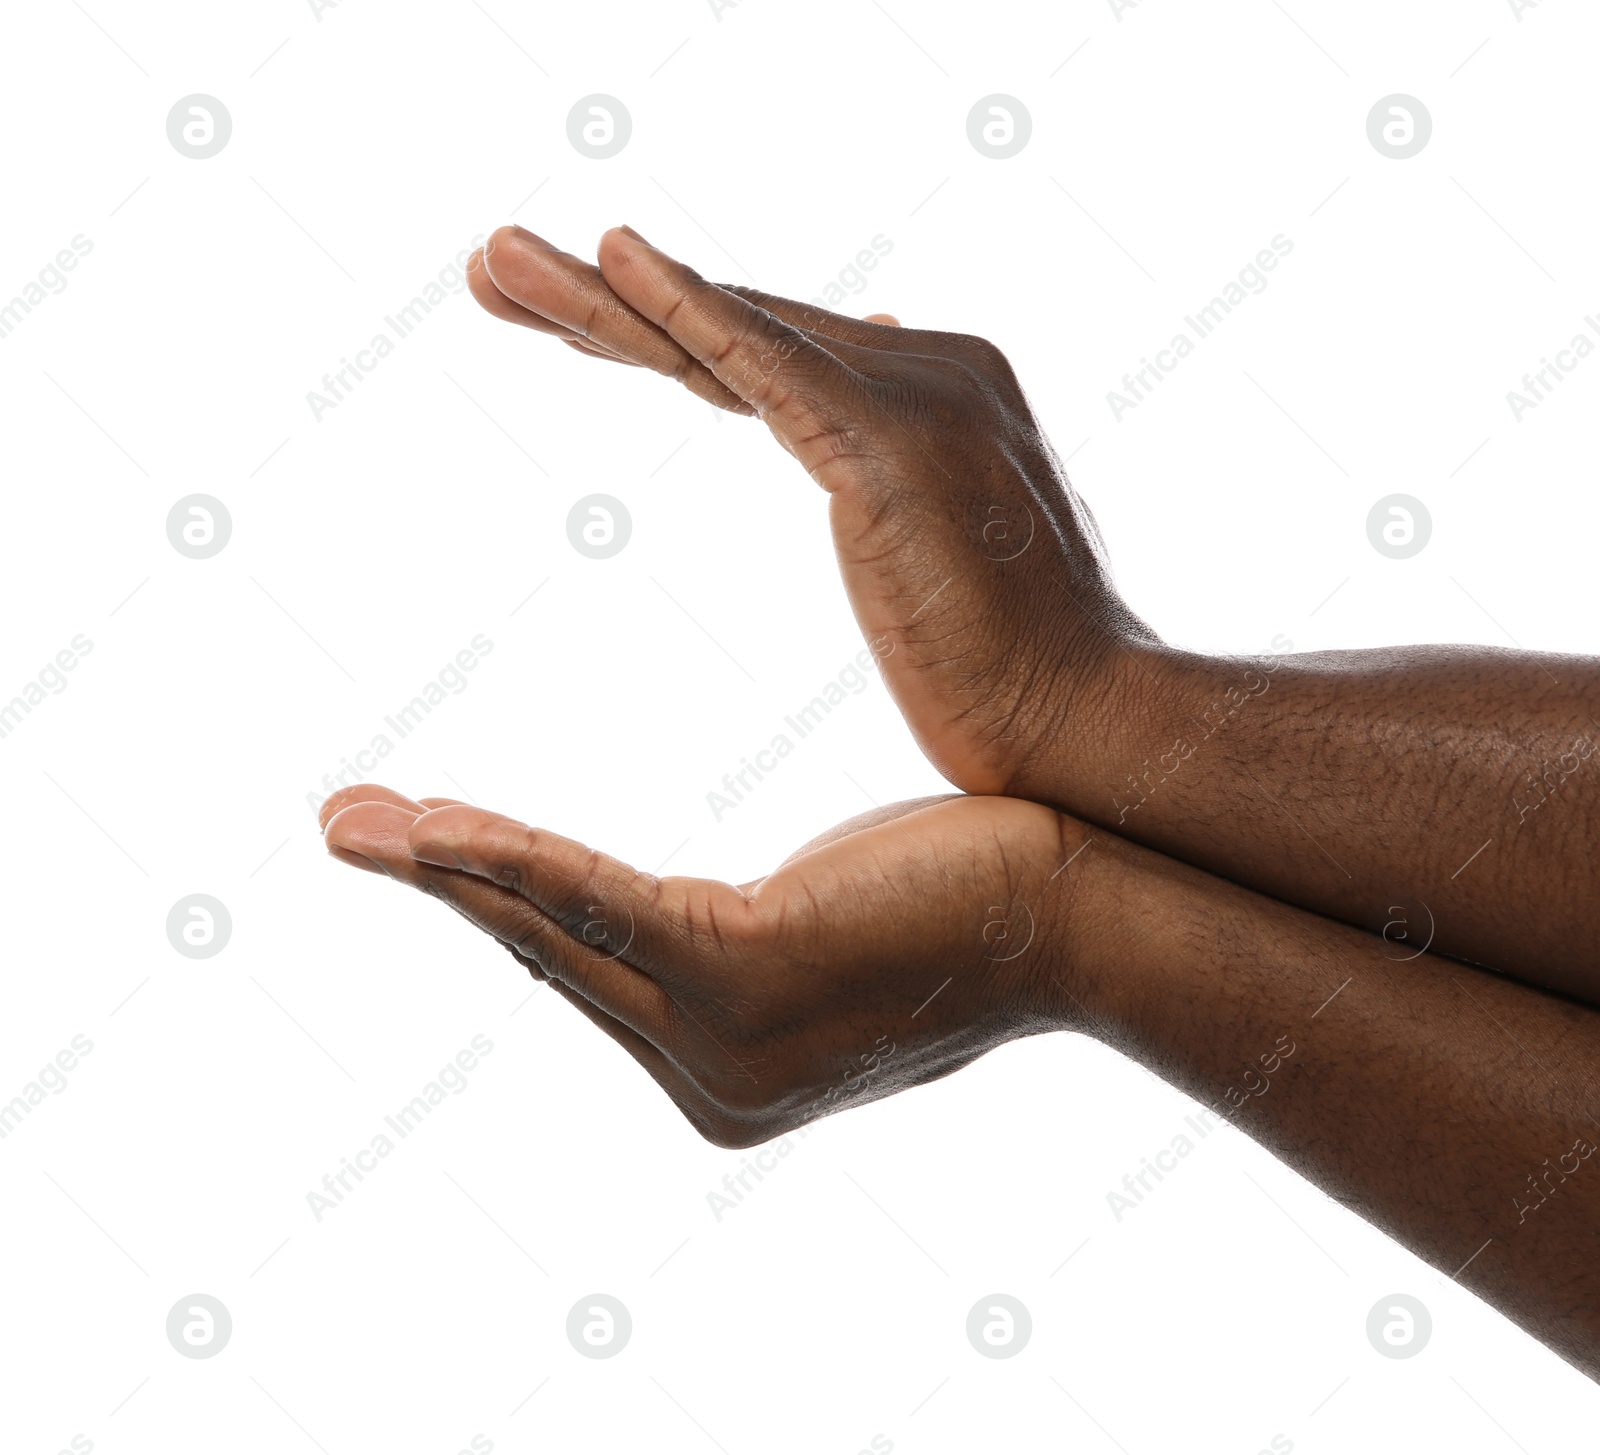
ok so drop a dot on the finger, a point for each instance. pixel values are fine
(875, 331)
(371, 833)
(597, 900)
(492, 300)
(571, 294)
(583, 346)
(792, 382)
(608, 982)
(362, 793)
(376, 836)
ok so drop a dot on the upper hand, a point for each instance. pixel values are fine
(973, 568)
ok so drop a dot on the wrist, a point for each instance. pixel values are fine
(1073, 915)
(1108, 707)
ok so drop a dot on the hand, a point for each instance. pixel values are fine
(973, 569)
(889, 952)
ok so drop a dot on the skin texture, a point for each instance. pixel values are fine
(1445, 1103)
(744, 1002)
(1444, 796)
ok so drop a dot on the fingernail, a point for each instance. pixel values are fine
(635, 236)
(357, 861)
(436, 854)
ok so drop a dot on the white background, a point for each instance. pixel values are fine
(370, 144)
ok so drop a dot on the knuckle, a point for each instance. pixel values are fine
(528, 959)
(508, 875)
(987, 363)
(773, 341)
(979, 351)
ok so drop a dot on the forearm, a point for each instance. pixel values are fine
(1448, 793)
(1447, 1105)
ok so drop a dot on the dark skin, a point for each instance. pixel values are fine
(1447, 1103)
(1356, 784)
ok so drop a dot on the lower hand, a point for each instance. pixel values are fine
(893, 950)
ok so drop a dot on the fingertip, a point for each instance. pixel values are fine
(621, 248)
(448, 824)
(463, 837)
(509, 240)
(620, 242)
(372, 830)
(342, 798)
